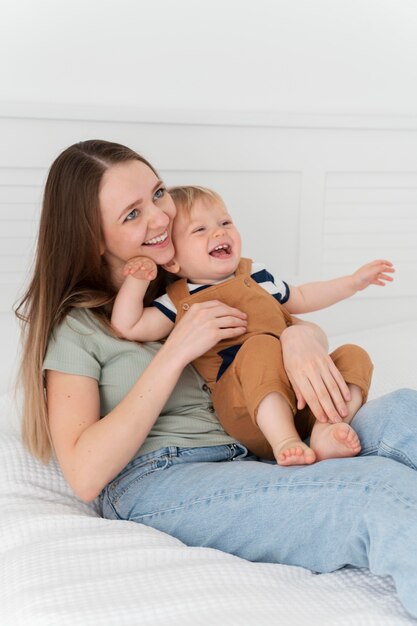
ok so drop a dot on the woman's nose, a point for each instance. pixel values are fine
(157, 217)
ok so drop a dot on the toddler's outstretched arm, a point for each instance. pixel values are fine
(319, 295)
(129, 317)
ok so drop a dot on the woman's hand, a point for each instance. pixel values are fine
(314, 377)
(202, 327)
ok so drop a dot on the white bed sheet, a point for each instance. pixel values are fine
(61, 564)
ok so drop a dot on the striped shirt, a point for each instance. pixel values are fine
(277, 288)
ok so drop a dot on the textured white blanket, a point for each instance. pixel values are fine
(61, 564)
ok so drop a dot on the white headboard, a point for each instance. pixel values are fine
(314, 196)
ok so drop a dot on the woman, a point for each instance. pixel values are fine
(133, 425)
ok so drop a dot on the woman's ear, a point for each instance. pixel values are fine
(172, 266)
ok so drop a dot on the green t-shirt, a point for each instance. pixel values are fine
(80, 345)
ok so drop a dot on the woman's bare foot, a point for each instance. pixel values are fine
(332, 441)
(292, 451)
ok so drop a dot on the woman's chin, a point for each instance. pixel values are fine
(162, 256)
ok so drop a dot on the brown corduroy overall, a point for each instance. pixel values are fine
(241, 371)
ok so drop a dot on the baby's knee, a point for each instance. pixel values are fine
(354, 353)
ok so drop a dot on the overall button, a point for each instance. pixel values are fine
(247, 282)
(185, 307)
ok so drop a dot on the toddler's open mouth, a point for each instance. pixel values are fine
(223, 251)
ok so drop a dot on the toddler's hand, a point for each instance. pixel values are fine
(374, 273)
(141, 267)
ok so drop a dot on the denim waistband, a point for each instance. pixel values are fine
(174, 454)
(222, 452)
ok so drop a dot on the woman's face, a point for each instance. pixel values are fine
(137, 214)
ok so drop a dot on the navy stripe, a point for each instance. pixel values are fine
(262, 277)
(285, 297)
(170, 314)
(282, 298)
(227, 355)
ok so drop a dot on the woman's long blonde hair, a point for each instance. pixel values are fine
(69, 270)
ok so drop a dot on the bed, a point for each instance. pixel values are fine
(61, 564)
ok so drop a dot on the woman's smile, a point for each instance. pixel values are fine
(159, 240)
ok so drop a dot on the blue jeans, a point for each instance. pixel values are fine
(360, 511)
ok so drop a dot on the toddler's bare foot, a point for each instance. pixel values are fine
(292, 451)
(330, 441)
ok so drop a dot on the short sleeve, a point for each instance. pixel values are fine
(278, 288)
(71, 349)
(166, 306)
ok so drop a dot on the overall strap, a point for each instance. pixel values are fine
(244, 267)
(177, 291)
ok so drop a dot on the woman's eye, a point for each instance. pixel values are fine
(132, 215)
(159, 193)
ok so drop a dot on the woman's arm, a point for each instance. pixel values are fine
(314, 377)
(92, 451)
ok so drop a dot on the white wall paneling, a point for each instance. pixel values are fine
(356, 56)
(314, 196)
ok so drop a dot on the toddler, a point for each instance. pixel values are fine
(251, 393)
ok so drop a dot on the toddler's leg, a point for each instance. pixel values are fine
(256, 372)
(340, 440)
(276, 421)
(355, 365)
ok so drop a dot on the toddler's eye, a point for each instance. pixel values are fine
(227, 222)
(134, 213)
(200, 229)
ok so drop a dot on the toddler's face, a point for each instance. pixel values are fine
(207, 243)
